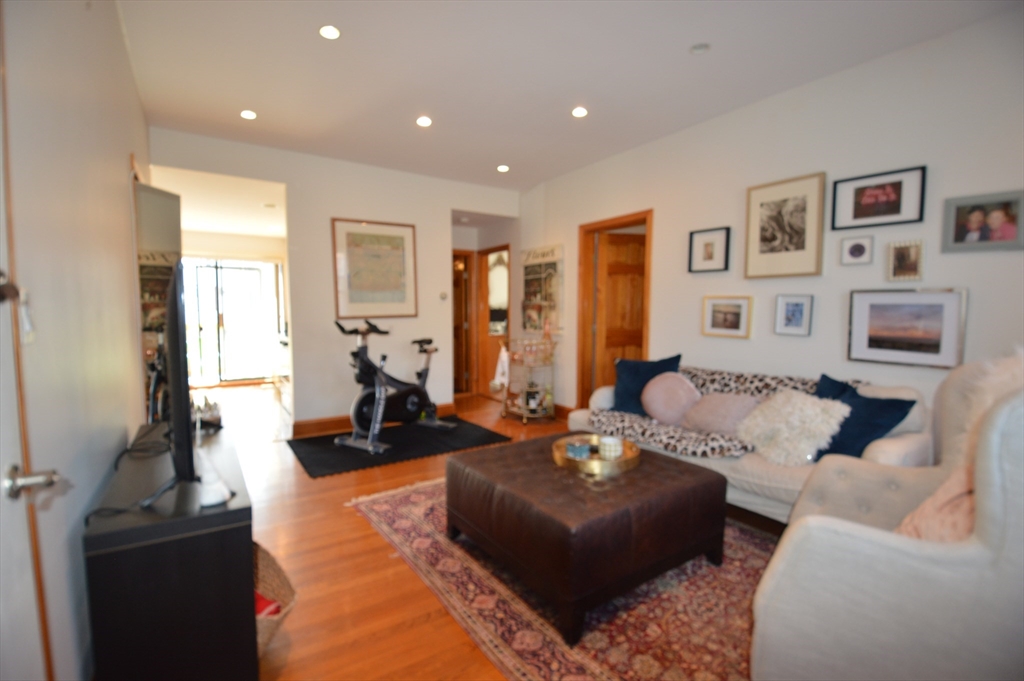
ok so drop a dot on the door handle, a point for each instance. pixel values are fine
(14, 483)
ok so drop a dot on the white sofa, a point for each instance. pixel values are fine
(766, 488)
(844, 597)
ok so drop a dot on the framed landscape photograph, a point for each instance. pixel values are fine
(709, 250)
(374, 269)
(727, 316)
(856, 250)
(905, 261)
(784, 227)
(922, 327)
(985, 222)
(793, 315)
(892, 198)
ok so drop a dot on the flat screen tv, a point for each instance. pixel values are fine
(177, 379)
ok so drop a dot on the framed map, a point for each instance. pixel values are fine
(374, 269)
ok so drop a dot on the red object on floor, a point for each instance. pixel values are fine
(266, 607)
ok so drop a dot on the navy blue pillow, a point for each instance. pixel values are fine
(870, 418)
(631, 375)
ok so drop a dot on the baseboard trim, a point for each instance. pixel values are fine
(343, 424)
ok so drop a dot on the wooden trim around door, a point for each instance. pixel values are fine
(473, 338)
(586, 312)
(483, 315)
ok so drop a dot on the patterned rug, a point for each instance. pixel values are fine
(693, 622)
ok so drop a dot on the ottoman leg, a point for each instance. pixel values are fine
(569, 621)
(452, 531)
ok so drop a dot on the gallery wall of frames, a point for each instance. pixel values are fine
(775, 221)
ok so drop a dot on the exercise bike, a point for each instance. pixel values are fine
(406, 402)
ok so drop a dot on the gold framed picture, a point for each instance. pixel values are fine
(727, 316)
(906, 261)
(785, 222)
(374, 269)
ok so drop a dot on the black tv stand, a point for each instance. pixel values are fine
(171, 587)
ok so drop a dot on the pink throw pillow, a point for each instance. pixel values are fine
(668, 396)
(948, 514)
(720, 412)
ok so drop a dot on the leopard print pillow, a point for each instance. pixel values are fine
(646, 431)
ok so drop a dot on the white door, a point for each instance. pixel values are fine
(21, 653)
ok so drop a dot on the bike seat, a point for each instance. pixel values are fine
(423, 341)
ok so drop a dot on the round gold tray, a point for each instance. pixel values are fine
(595, 466)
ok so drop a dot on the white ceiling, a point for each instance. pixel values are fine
(225, 204)
(498, 78)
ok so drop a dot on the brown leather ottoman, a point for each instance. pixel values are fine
(580, 543)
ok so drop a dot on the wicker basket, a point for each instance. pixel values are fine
(272, 582)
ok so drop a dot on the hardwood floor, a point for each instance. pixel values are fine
(361, 612)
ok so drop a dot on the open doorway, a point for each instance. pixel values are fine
(614, 297)
(481, 296)
(234, 241)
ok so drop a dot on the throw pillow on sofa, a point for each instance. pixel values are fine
(632, 375)
(870, 418)
(791, 426)
(668, 396)
(719, 413)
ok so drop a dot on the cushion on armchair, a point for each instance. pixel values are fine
(869, 418)
(631, 376)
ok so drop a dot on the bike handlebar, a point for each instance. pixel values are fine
(365, 331)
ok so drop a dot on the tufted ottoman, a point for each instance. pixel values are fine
(576, 542)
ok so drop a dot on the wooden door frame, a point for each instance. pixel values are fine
(587, 282)
(483, 313)
(471, 316)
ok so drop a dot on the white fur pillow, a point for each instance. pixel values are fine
(791, 426)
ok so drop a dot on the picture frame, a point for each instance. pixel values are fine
(906, 261)
(919, 327)
(709, 250)
(856, 250)
(964, 215)
(785, 223)
(374, 269)
(882, 199)
(793, 315)
(726, 316)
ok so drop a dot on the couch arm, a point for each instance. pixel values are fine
(842, 600)
(908, 449)
(603, 397)
(864, 491)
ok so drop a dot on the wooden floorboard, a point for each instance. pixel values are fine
(361, 613)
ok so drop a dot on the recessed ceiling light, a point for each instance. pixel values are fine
(463, 219)
(700, 48)
(503, 169)
(424, 121)
(330, 32)
(270, 205)
(579, 112)
(248, 115)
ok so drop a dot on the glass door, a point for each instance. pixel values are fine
(234, 320)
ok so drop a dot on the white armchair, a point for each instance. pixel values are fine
(844, 597)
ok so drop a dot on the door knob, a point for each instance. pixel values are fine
(14, 483)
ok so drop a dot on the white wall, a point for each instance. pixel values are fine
(244, 246)
(953, 104)
(320, 189)
(74, 117)
(465, 238)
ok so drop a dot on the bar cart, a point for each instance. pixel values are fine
(531, 385)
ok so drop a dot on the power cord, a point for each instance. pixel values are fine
(142, 505)
(146, 450)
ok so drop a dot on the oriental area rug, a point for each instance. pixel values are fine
(692, 622)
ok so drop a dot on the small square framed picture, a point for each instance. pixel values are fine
(793, 315)
(727, 316)
(709, 250)
(905, 261)
(856, 250)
